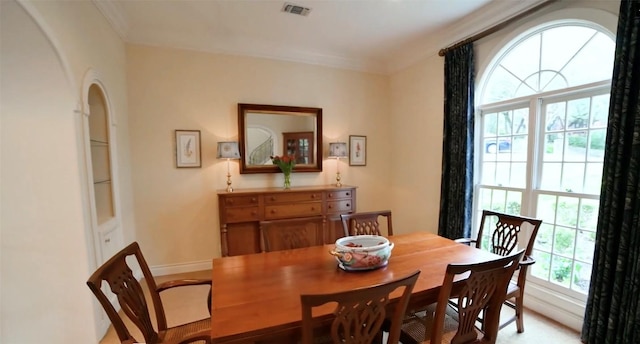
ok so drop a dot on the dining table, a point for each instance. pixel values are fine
(256, 297)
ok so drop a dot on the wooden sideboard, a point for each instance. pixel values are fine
(242, 210)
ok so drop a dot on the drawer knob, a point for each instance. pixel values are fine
(254, 200)
(330, 207)
(107, 240)
(348, 194)
(273, 198)
(348, 205)
(230, 201)
(273, 211)
(313, 196)
(330, 195)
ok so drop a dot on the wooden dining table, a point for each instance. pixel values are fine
(256, 297)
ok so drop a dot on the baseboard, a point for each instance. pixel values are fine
(565, 310)
(170, 269)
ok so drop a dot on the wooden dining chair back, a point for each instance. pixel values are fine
(292, 233)
(366, 223)
(119, 276)
(360, 313)
(505, 232)
(483, 290)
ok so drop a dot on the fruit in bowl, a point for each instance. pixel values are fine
(362, 252)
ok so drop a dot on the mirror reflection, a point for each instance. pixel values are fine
(268, 130)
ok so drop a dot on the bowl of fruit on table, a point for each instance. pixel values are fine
(362, 252)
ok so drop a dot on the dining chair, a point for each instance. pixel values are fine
(365, 223)
(287, 234)
(483, 290)
(130, 295)
(359, 313)
(505, 234)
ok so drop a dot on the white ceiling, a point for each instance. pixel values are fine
(377, 36)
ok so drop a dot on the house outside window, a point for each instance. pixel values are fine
(542, 116)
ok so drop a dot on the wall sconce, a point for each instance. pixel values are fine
(338, 150)
(228, 150)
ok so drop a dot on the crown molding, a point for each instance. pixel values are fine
(488, 16)
(115, 16)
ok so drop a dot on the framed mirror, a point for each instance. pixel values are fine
(269, 130)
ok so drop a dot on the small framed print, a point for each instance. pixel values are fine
(357, 150)
(188, 148)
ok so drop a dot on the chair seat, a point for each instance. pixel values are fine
(420, 325)
(513, 290)
(200, 328)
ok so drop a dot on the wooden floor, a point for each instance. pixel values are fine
(190, 304)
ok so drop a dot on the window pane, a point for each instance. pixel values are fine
(600, 111)
(593, 179)
(561, 270)
(498, 200)
(563, 240)
(577, 146)
(589, 214)
(567, 212)
(582, 277)
(514, 203)
(596, 145)
(503, 173)
(542, 267)
(572, 177)
(578, 113)
(519, 175)
(585, 244)
(489, 173)
(544, 239)
(547, 208)
(551, 173)
(523, 59)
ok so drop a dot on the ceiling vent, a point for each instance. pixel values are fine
(296, 9)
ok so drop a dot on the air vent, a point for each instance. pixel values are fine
(295, 9)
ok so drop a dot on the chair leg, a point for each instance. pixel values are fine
(519, 311)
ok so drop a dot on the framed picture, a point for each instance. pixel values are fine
(357, 150)
(188, 148)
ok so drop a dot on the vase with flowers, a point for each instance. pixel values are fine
(286, 164)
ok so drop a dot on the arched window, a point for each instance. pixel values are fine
(542, 114)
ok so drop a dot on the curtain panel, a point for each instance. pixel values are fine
(613, 306)
(456, 193)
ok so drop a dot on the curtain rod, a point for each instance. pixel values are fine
(496, 27)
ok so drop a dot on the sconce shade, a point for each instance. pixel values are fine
(228, 150)
(338, 150)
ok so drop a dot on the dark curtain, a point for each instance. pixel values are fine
(613, 308)
(457, 148)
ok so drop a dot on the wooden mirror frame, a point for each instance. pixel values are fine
(244, 109)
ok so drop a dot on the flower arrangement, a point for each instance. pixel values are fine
(286, 164)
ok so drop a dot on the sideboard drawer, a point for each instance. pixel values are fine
(292, 210)
(242, 214)
(338, 194)
(292, 197)
(240, 201)
(244, 210)
(343, 206)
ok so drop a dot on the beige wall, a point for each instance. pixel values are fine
(45, 252)
(416, 134)
(176, 209)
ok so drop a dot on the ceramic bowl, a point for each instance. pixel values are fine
(362, 252)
